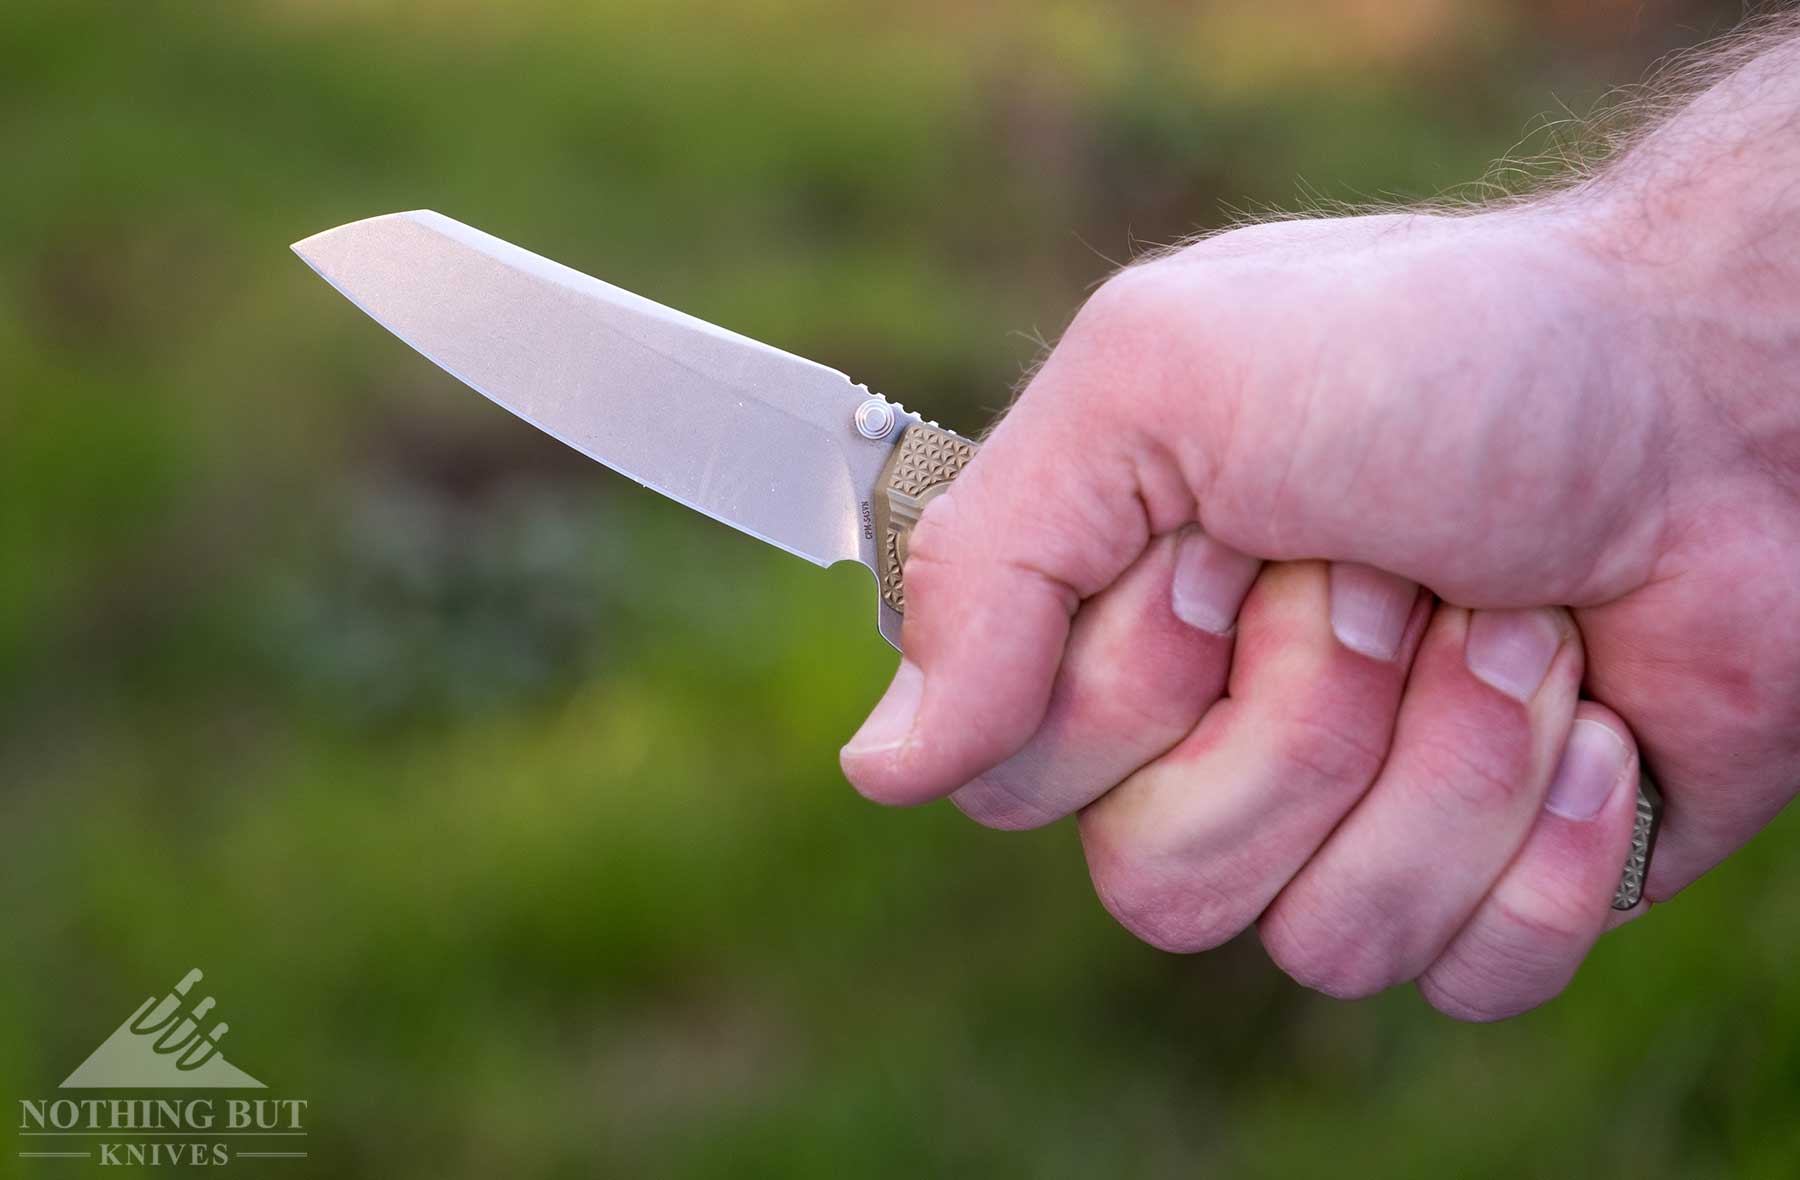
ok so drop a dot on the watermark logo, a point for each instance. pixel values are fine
(167, 1044)
(163, 1045)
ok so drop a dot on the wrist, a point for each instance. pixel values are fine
(1703, 311)
(1699, 224)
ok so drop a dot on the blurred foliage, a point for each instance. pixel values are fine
(499, 799)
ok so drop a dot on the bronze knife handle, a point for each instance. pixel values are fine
(919, 469)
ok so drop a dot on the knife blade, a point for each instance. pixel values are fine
(780, 447)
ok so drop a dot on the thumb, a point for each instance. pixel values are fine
(1050, 511)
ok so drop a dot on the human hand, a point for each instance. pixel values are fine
(1493, 406)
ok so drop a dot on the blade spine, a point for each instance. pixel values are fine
(575, 280)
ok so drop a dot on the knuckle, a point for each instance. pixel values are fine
(930, 545)
(1480, 986)
(1485, 769)
(1121, 313)
(1124, 298)
(1516, 955)
(1542, 924)
(932, 574)
(1456, 997)
(1122, 696)
(1174, 909)
(1323, 955)
(1331, 745)
(993, 802)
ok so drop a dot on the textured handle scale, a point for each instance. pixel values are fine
(1643, 836)
(921, 467)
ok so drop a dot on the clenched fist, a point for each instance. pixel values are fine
(1338, 573)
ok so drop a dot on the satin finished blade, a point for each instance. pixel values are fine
(758, 438)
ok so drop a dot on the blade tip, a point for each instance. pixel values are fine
(313, 241)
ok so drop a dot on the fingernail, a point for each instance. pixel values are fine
(1511, 649)
(1210, 582)
(1369, 609)
(892, 719)
(1592, 764)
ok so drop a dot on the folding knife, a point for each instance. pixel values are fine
(787, 450)
(784, 449)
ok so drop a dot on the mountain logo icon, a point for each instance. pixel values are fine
(162, 1046)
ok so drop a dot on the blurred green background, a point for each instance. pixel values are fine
(499, 799)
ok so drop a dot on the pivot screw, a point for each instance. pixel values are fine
(875, 419)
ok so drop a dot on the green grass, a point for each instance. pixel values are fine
(499, 799)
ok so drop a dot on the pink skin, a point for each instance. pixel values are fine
(1576, 404)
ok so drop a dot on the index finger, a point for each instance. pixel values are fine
(1058, 503)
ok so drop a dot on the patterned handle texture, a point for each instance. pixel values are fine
(921, 467)
(928, 458)
(1643, 838)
